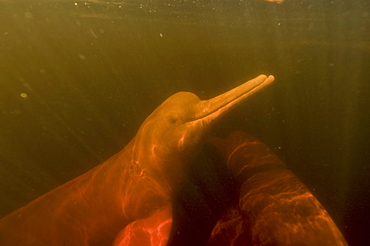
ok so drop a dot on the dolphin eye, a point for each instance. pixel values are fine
(173, 119)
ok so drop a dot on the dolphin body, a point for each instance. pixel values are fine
(127, 200)
(274, 206)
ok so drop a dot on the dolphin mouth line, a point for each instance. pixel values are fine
(235, 100)
(230, 103)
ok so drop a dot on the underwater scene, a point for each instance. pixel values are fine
(184, 122)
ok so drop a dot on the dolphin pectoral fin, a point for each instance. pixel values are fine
(153, 230)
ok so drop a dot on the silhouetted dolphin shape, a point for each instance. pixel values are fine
(275, 207)
(130, 194)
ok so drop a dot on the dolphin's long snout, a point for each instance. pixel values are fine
(214, 108)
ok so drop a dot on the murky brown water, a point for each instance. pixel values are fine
(77, 78)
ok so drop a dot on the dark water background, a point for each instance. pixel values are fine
(77, 78)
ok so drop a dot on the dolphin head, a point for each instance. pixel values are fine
(175, 131)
